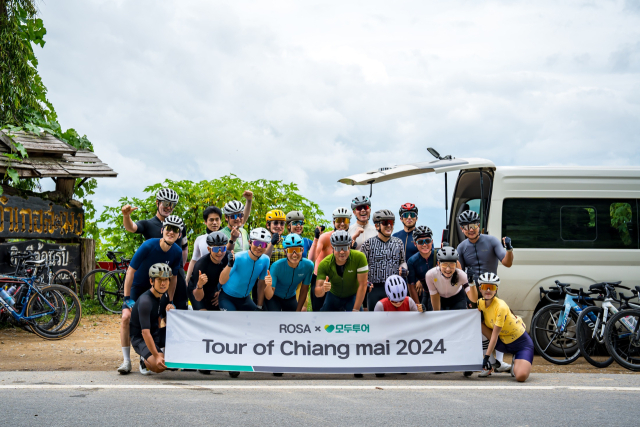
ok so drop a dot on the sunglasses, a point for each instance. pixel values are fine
(361, 208)
(341, 248)
(294, 250)
(488, 287)
(235, 216)
(448, 265)
(218, 249)
(387, 222)
(167, 204)
(297, 223)
(424, 241)
(342, 221)
(259, 244)
(473, 226)
(173, 229)
(409, 215)
(277, 223)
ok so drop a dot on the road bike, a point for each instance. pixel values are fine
(94, 277)
(622, 337)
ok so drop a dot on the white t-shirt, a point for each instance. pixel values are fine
(369, 232)
(199, 247)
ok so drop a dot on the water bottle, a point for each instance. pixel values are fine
(7, 298)
(189, 307)
(12, 290)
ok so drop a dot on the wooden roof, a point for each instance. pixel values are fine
(51, 157)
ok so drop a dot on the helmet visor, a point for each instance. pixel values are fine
(294, 250)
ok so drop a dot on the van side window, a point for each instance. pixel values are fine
(571, 223)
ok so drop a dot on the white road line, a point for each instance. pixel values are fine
(301, 387)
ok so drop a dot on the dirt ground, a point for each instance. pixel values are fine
(95, 346)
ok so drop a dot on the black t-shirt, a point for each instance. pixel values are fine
(152, 229)
(145, 315)
(205, 266)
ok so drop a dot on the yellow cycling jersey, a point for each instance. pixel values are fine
(499, 314)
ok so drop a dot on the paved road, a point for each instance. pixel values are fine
(188, 398)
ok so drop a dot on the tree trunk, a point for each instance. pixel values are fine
(87, 263)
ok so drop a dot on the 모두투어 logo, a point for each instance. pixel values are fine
(342, 328)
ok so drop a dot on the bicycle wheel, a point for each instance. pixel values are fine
(65, 278)
(622, 338)
(91, 279)
(555, 346)
(55, 312)
(111, 291)
(591, 337)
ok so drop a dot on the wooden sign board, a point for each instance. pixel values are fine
(69, 259)
(33, 217)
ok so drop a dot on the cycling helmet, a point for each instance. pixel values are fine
(341, 213)
(275, 215)
(173, 220)
(233, 207)
(467, 217)
(340, 238)
(383, 214)
(421, 231)
(359, 201)
(491, 278)
(260, 234)
(295, 216)
(292, 241)
(448, 254)
(217, 238)
(396, 288)
(167, 194)
(408, 207)
(160, 270)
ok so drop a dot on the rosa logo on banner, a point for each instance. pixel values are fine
(324, 342)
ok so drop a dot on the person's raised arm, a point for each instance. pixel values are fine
(362, 290)
(473, 293)
(128, 281)
(198, 292)
(507, 260)
(275, 238)
(224, 274)
(413, 293)
(190, 270)
(248, 195)
(129, 225)
(314, 245)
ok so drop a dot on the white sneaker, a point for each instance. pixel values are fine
(143, 368)
(485, 373)
(125, 368)
(501, 367)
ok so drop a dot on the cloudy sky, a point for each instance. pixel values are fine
(311, 92)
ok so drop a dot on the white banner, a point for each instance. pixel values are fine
(335, 342)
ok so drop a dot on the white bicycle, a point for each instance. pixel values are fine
(622, 336)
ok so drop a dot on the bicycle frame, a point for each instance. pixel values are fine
(25, 299)
(571, 304)
(630, 324)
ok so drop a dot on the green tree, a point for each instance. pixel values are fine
(195, 197)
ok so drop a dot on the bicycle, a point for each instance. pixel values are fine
(591, 338)
(94, 277)
(553, 328)
(52, 312)
(111, 290)
(27, 265)
(622, 337)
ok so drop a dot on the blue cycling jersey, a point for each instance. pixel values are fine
(286, 279)
(244, 274)
(149, 253)
(306, 246)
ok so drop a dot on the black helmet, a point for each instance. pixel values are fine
(383, 214)
(421, 231)
(448, 254)
(340, 238)
(217, 238)
(359, 201)
(468, 217)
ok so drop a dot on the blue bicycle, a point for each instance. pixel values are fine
(52, 312)
(554, 327)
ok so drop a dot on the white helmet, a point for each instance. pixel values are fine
(167, 194)
(396, 288)
(491, 278)
(173, 220)
(341, 213)
(340, 238)
(233, 207)
(260, 234)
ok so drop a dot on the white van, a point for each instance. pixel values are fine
(578, 225)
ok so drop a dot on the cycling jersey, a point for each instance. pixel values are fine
(278, 252)
(206, 266)
(150, 253)
(410, 248)
(244, 274)
(200, 248)
(385, 305)
(438, 284)
(384, 258)
(145, 315)
(418, 267)
(152, 229)
(285, 279)
(499, 314)
(306, 246)
(482, 256)
(346, 284)
(369, 232)
(242, 243)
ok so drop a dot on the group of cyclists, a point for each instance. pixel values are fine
(357, 266)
